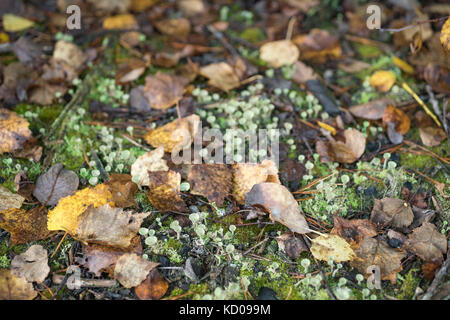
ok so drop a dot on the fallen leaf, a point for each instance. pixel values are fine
(14, 131)
(191, 8)
(130, 70)
(165, 192)
(221, 75)
(279, 53)
(142, 5)
(438, 77)
(65, 215)
(70, 53)
(149, 162)
(432, 136)
(176, 27)
(163, 90)
(332, 246)
(303, 5)
(55, 184)
(445, 35)
(429, 269)
(350, 150)
(302, 73)
(391, 211)
(154, 287)
(353, 66)
(45, 93)
(292, 245)
(406, 67)
(9, 200)
(108, 226)
(372, 110)
(108, 6)
(382, 80)
(32, 264)
(176, 135)
(354, 230)
(373, 252)
(131, 269)
(122, 190)
(25, 226)
(318, 46)
(13, 23)
(280, 203)
(398, 118)
(15, 288)
(120, 21)
(246, 175)
(427, 243)
(213, 181)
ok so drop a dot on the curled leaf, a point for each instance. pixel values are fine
(149, 162)
(395, 212)
(131, 269)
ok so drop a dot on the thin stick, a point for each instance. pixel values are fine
(290, 28)
(419, 101)
(59, 244)
(412, 25)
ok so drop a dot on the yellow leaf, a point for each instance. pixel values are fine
(382, 80)
(331, 245)
(445, 35)
(13, 23)
(120, 21)
(403, 65)
(65, 215)
(4, 38)
(327, 127)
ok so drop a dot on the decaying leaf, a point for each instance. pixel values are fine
(373, 252)
(392, 211)
(303, 73)
(149, 162)
(427, 242)
(303, 5)
(279, 53)
(221, 75)
(332, 246)
(432, 136)
(292, 245)
(176, 27)
(165, 192)
(213, 181)
(246, 175)
(14, 131)
(382, 80)
(55, 184)
(350, 150)
(65, 215)
(32, 264)
(131, 269)
(398, 118)
(109, 226)
(154, 287)
(70, 53)
(15, 288)
(353, 66)
(372, 110)
(122, 190)
(163, 90)
(45, 93)
(318, 46)
(445, 35)
(25, 226)
(191, 8)
(120, 21)
(280, 203)
(13, 23)
(130, 70)
(176, 135)
(353, 231)
(9, 200)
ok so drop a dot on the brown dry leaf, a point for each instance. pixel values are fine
(163, 90)
(176, 27)
(14, 131)
(445, 35)
(221, 75)
(9, 200)
(70, 53)
(120, 21)
(65, 215)
(279, 53)
(213, 181)
(32, 264)
(333, 246)
(176, 135)
(382, 80)
(303, 5)
(191, 8)
(373, 252)
(122, 190)
(372, 110)
(353, 66)
(108, 226)
(246, 175)
(438, 77)
(280, 203)
(427, 243)
(130, 70)
(149, 162)
(45, 93)
(152, 288)
(15, 288)
(416, 43)
(291, 245)
(353, 230)
(25, 226)
(142, 5)
(398, 118)
(432, 136)
(109, 6)
(165, 192)
(98, 258)
(429, 269)
(391, 211)
(303, 73)
(55, 184)
(131, 269)
(350, 150)
(318, 46)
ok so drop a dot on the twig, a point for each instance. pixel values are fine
(419, 101)
(93, 283)
(59, 244)
(99, 165)
(255, 246)
(412, 25)
(437, 279)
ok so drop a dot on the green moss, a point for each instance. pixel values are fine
(409, 285)
(368, 51)
(253, 35)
